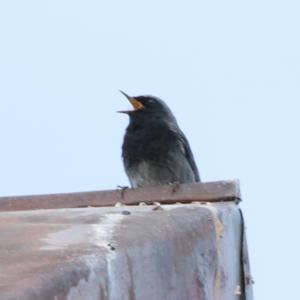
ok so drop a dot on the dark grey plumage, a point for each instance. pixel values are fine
(155, 151)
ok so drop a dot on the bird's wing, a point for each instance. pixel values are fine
(189, 155)
(186, 149)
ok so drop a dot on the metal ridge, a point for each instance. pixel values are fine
(217, 191)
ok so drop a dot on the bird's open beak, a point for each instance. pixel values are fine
(135, 103)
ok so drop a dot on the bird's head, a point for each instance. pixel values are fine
(147, 107)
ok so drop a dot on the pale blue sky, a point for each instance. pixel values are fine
(230, 71)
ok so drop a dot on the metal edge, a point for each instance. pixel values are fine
(217, 191)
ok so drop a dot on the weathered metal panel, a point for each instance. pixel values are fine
(182, 251)
(184, 193)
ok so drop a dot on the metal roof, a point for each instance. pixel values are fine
(166, 250)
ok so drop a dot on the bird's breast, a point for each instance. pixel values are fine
(147, 143)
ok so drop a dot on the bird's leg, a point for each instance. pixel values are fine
(122, 189)
(175, 186)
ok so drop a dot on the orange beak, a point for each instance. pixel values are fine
(135, 103)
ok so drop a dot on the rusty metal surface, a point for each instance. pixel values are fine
(183, 251)
(185, 193)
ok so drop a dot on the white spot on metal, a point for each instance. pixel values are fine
(99, 234)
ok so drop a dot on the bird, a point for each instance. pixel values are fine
(155, 151)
